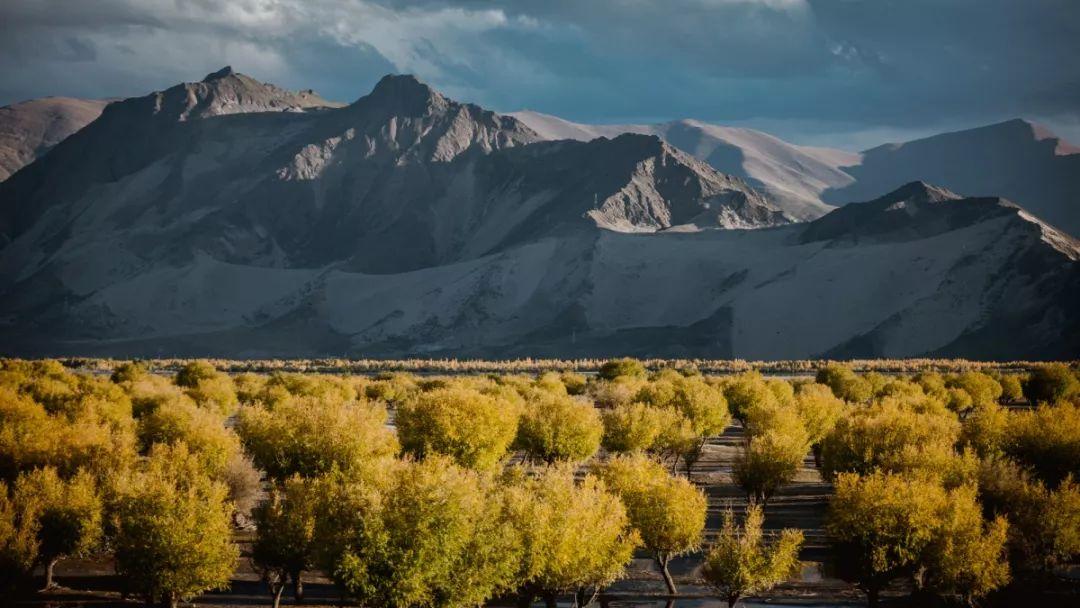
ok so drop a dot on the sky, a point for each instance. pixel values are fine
(844, 73)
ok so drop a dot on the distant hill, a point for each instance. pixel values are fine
(31, 128)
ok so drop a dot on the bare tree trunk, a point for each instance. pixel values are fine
(298, 587)
(732, 599)
(663, 560)
(277, 590)
(50, 566)
(550, 601)
(872, 597)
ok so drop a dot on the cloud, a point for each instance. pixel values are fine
(875, 66)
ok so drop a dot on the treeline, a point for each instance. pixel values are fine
(416, 491)
(533, 366)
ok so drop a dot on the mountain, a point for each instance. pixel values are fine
(31, 128)
(407, 223)
(792, 176)
(1016, 159)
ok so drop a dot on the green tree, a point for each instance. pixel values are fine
(173, 529)
(984, 390)
(575, 535)
(472, 428)
(741, 563)
(1051, 383)
(309, 437)
(557, 428)
(66, 515)
(621, 367)
(1012, 389)
(284, 545)
(668, 512)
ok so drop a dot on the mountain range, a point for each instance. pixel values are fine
(234, 218)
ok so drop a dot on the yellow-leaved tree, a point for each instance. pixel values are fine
(740, 562)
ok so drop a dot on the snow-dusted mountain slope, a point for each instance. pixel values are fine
(31, 128)
(1017, 159)
(794, 177)
(408, 223)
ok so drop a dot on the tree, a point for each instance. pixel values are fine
(1047, 440)
(967, 556)
(18, 541)
(208, 387)
(983, 389)
(1044, 525)
(65, 515)
(284, 545)
(621, 367)
(1012, 389)
(202, 430)
(575, 536)
(472, 428)
(668, 512)
(845, 383)
(433, 535)
(882, 525)
(557, 428)
(774, 448)
(173, 534)
(740, 562)
(634, 427)
(745, 391)
(1051, 383)
(309, 437)
(819, 410)
(894, 434)
(985, 429)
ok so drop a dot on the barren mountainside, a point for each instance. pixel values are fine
(237, 221)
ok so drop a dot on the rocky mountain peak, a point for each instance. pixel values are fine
(919, 192)
(403, 93)
(218, 75)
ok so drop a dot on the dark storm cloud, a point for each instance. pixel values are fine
(848, 64)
